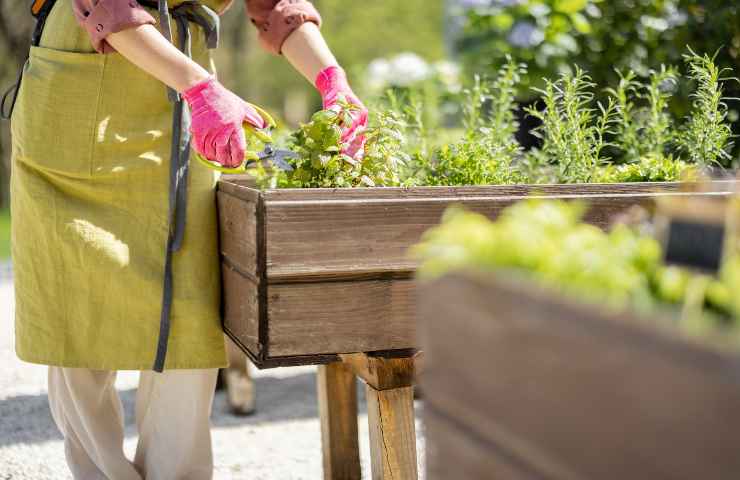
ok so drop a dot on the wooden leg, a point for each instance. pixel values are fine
(337, 390)
(239, 382)
(390, 415)
(390, 412)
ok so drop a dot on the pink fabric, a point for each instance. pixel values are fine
(332, 84)
(217, 119)
(277, 19)
(102, 17)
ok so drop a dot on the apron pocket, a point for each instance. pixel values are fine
(54, 125)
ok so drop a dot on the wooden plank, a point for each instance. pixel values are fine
(241, 309)
(337, 393)
(390, 417)
(241, 186)
(238, 233)
(382, 373)
(488, 190)
(453, 452)
(575, 392)
(340, 317)
(343, 238)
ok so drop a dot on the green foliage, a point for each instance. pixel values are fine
(644, 122)
(4, 234)
(706, 137)
(541, 33)
(321, 162)
(547, 242)
(601, 36)
(632, 138)
(650, 168)
(486, 153)
(573, 131)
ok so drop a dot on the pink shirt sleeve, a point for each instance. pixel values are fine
(277, 19)
(102, 17)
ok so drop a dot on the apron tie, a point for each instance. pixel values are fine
(206, 18)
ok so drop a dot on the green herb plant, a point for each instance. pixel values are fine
(488, 149)
(321, 163)
(707, 136)
(574, 127)
(547, 242)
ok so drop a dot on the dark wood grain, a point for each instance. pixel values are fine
(241, 309)
(340, 238)
(332, 269)
(567, 391)
(238, 233)
(340, 317)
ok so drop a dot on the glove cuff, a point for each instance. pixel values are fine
(331, 80)
(197, 90)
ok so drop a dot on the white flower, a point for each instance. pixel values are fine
(378, 74)
(408, 68)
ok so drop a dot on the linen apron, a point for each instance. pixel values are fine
(90, 214)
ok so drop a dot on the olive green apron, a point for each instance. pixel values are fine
(90, 214)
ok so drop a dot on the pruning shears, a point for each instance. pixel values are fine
(269, 156)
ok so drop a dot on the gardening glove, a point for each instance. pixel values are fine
(332, 85)
(218, 116)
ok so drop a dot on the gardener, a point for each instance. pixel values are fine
(114, 237)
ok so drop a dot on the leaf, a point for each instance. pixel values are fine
(367, 181)
(581, 23)
(350, 160)
(569, 6)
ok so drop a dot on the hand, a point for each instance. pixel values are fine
(332, 85)
(218, 116)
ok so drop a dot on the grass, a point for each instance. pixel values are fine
(4, 234)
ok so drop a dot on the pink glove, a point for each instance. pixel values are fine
(217, 119)
(332, 84)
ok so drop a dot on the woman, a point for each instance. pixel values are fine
(114, 238)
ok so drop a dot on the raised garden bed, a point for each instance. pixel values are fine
(523, 384)
(312, 273)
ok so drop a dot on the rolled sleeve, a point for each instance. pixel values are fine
(277, 19)
(102, 17)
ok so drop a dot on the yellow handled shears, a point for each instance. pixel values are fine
(268, 156)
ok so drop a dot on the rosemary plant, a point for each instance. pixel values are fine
(707, 137)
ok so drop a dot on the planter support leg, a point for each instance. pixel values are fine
(239, 382)
(390, 413)
(337, 389)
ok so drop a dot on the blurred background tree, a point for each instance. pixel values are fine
(601, 36)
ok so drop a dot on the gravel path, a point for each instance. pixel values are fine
(281, 442)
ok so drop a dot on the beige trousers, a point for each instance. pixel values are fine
(172, 416)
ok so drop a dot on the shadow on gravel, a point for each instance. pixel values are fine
(26, 419)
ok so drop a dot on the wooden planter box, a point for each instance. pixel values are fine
(311, 273)
(521, 384)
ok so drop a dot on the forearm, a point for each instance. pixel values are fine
(145, 47)
(308, 52)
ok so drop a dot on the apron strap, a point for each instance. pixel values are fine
(7, 102)
(179, 156)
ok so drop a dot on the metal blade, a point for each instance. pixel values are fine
(276, 158)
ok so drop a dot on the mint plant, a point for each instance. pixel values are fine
(321, 163)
